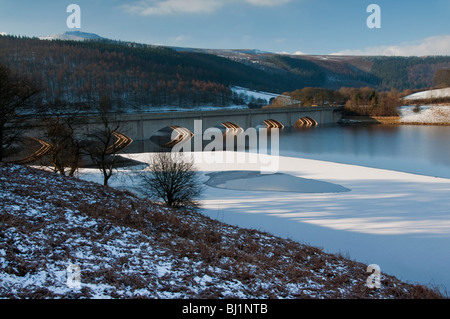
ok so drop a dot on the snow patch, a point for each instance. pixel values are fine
(425, 114)
(430, 94)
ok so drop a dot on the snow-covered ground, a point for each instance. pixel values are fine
(256, 94)
(397, 220)
(430, 94)
(73, 36)
(53, 227)
(425, 114)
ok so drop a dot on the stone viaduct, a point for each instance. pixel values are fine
(160, 127)
(141, 127)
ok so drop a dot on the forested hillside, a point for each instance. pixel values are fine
(77, 73)
(403, 73)
(139, 76)
(134, 75)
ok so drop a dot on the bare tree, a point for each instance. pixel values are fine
(14, 93)
(174, 179)
(65, 152)
(104, 144)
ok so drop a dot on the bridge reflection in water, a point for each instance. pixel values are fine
(171, 136)
(31, 150)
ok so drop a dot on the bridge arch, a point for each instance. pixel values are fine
(271, 123)
(38, 153)
(170, 136)
(305, 121)
(232, 128)
(29, 144)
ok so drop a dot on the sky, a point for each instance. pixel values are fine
(407, 27)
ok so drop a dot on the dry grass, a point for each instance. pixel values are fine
(388, 119)
(240, 263)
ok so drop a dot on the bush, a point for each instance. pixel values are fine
(173, 179)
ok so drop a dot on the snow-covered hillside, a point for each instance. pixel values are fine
(73, 36)
(254, 94)
(126, 247)
(430, 94)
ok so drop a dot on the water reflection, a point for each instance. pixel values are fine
(415, 149)
(410, 148)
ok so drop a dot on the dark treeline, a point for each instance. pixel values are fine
(356, 101)
(310, 73)
(404, 73)
(367, 101)
(442, 78)
(382, 73)
(80, 73)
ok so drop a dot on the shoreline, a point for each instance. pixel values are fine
(388, 120)
(421, 114)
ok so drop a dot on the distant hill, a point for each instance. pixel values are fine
(73, 36)
(334, 72)
(80, 68)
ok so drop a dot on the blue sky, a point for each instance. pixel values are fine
(304, 26)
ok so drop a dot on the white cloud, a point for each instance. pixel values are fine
(3, 33)
(436, 45)
(179, 40)
(268, 3)
(170, 7)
